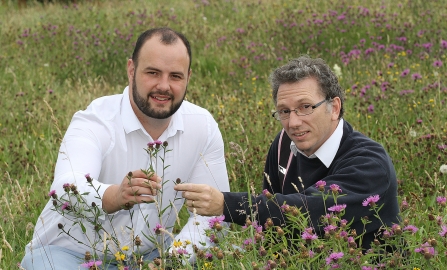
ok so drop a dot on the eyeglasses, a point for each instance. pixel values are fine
(303, 109)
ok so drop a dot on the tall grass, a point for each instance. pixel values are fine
(55, 59)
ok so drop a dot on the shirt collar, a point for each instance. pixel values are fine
(328, 149)
(131, 123)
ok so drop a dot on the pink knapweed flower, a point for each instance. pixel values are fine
(443, 231)
(371, 200)
(337, 208)
(308, 234)
(51, 193)
(425, 248)
(335, 188)
(215, 221)
(413, 229)
(64, 206)
(90, 264)
(157, 228)
(437, 63)
(441, 200)
(405, 72)
(334, 257)
(320, 185)
(371, 108)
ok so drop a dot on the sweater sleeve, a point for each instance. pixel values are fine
(364, 171)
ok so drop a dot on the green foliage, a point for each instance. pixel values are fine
(56, 58)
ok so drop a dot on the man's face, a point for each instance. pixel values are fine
(308, 132)
(158, 84)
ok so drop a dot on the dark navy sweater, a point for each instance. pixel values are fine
(361, 168)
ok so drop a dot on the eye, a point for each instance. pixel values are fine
(305, 106)
(285, 111)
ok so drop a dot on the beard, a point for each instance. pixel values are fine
(145, 107)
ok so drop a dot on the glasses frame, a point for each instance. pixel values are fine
(276, 113)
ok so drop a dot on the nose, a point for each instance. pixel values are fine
(163, 83)
(294, 120)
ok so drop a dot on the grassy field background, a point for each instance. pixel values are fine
(56, 58)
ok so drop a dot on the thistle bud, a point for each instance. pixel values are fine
(60, 226)
(262, 251)
(178, 181)
(87, 256)
(220, 255)
(279, 230)
(165, 143)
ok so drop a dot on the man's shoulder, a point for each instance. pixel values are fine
(105, 107)
(189, 108)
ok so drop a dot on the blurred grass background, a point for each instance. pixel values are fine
(57, 57)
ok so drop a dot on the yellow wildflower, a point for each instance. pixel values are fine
(125, 248)
(119, 256)
(177, 244)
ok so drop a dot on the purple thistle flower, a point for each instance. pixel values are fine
(92, 263)
(390, 65)
(157, 142)
(158, 228)
(320, 185)
(425, 248)
(335, 188)
(215, 221)
(308, 235)
(413, 229)
(150, 144)
(334, 257)
(337, 208)
(371, 108)
(371, 200)
(443, 44)
(443, 231)
(442, 146)
(65, 206)
(405, 72)
(182, 251)
(330, 228)
(416, 76)
(419, 121)
(52, 193)
(441, 200)
(437, 63)
(248, 241)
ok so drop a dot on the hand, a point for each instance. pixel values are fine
(206, 200)
(135, 189)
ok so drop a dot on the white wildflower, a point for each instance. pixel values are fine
(412, 133)
(337, 71)
(443, 169)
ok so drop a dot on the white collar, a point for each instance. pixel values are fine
(328, 149)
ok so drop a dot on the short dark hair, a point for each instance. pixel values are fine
(305, 67)
(167, 37)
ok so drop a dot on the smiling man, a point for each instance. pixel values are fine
(326, 153)
(107, 141)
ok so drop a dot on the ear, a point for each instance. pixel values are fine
(189, 76)
(130, 70)
(336, 107)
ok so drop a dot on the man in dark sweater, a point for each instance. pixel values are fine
(309, 103)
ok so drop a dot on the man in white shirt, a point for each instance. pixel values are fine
(108, 140)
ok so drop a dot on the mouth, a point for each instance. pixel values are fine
(160, 98)
(300, 134)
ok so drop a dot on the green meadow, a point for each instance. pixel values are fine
(390, 57)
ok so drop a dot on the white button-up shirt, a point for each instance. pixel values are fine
(107, 141)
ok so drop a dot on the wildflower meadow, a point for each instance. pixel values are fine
(390, 57)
